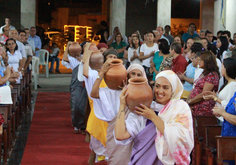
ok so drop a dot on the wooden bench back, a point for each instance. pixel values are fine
(4, 112)
(201, 121)
(14, 96)
(226, 148)
(211, 132)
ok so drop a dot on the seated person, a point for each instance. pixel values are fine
(53, 57)
(5, 75)
(4, 63)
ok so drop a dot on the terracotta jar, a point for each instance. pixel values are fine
(74, 49)
(96, 60)
(139, 92)
(115, 75)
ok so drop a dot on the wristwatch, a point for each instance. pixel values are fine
(98, 77)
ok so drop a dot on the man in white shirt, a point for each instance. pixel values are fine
(8, 24)
(111, 38)
(14, 34)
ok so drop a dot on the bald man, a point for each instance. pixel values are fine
(14, 34)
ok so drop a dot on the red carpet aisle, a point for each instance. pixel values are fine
(51, 140)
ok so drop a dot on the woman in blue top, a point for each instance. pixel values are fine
(229, 115)
(159, 56)
(229, 123)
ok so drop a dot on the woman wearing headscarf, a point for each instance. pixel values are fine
(166, 138)
(107, 109)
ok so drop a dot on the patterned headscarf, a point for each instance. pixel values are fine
(177, 87)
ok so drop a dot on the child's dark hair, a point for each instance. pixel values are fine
(54, 44)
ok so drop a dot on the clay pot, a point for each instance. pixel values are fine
(139, 92)
(75, 49)
(115, 75)
(96, 60)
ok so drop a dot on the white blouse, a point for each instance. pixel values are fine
(227, 93)
(131, 54)
(146, 51)
(14, 59)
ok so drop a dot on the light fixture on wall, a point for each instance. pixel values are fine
(77, 31)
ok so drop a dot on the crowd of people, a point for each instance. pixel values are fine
(19, 46)
(191, 75)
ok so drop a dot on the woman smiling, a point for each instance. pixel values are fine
(162, 134)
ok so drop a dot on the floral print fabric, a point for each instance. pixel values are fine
(204, 107)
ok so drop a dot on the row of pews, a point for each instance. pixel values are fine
(13, 114)
(210, 147)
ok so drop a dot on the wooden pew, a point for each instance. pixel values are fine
(199, 135)
(29, 90)
(22, 105)
(3, 111)
(226, 149)
(14, 111)
(18, 108)
(211, 132)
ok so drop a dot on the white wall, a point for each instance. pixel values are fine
(118, 15)
(28, 13)
(163, 12)
(231, 16)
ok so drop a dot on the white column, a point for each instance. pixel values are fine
(163, 13)
(217, 16)
(118, 15)
(231, 16)
(28, 13)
